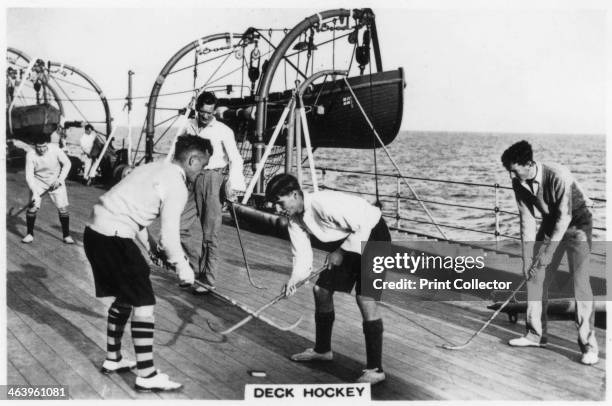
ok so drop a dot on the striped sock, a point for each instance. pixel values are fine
(65, 222)
(30, 220)
(142, 335)
(118, 315)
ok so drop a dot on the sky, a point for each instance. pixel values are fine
(524, 67)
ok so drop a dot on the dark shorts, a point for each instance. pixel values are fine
(348, 275)
(119, 269)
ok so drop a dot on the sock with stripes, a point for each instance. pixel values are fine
(30, 220)
(373, 332)
(323, 325)
(142, 335)
(118, 315)
(65, 222)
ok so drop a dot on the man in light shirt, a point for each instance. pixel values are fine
(46, 169)
(333, 216)
(87, 142)
(567, 224)
(122, 214)
(11, 84)
(206, 201)
(59, 137)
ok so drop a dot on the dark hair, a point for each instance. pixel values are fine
(281, 185)
(41, 138)
(89, 127)
(519, 153)
(188, 143)
(206, 98)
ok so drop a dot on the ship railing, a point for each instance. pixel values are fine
(397, 198)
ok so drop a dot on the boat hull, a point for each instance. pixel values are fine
(31, 121)
(334, 117)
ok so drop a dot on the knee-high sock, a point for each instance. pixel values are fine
(65, 222)
(118, 315)
(373, 332)
(324, 323)
(30, 220)
(142, 334)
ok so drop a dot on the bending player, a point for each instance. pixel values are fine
(333, 216)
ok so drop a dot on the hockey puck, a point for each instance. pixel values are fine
(258, 374)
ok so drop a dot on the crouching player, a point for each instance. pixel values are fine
(333, 216)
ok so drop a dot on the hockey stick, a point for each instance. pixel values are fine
(252, 313)
(246, 263)
(283, 295)
(21, 210)
(459, 347)
(498, 311)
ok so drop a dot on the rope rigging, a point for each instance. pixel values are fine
(378, 202)
(251, 68)
(214, 73)
(71, 101)
(74, 84)
(393, 161)
(311, 46)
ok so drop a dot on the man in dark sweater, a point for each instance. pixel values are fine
(566, 227)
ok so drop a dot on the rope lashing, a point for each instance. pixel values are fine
(393, 161)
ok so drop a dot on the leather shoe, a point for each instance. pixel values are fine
(524, 342)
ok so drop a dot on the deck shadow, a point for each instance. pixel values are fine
(344, 368)
(33, 306)
(34, 272)
(76, 235)
(185, 313)
(13, 224)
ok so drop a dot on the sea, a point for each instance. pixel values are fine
(473, 158)
(454, 174)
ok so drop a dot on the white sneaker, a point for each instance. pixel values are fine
(372, 376)
(589, 358)
(123, 365)
(524, 342)
(158, 383)
(27, 239)
(311, 355)
(68, 240)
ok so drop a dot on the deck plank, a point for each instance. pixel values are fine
(93, 324)
(51, 306)
(13, 376)
(33, 334)
(51, 256)
(25, 363)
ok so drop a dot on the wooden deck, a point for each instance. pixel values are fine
(57, 329)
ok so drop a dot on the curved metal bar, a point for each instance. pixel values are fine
(277, 57)
(27, 58)
(312, 78)
(166, 70)
(283, 47)
(95, 86)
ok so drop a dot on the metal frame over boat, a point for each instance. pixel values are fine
(42, 116)
(333, 119)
